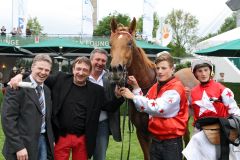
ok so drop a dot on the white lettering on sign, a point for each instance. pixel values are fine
(14, 42)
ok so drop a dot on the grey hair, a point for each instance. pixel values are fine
(98, 50)
(42, 57)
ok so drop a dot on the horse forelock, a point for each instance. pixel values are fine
(120, 34)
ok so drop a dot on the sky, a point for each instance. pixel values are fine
(64, 16)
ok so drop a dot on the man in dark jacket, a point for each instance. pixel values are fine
(26, 116)
(109, 123)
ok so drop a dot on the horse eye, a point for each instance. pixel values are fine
(129, 43)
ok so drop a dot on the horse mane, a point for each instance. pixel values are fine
(147, 62)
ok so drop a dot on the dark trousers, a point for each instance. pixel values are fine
(170, 149)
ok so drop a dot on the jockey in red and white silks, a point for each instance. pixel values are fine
(212, 99)
(167, 109)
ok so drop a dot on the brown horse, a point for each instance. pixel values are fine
(130, 59)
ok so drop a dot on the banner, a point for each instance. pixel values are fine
(164, 34)
(19, 11)
(87, 18)
(148, 22)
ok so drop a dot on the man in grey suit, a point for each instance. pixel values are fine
(109, 122)
(26, 116)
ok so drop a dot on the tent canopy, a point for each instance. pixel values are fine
(58, 45)
(228, 49)
(66, 45)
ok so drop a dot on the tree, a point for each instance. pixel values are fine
(103, 28)
(229, 24)
(34, 25)
(184, 27)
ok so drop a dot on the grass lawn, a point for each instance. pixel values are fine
(1, 141)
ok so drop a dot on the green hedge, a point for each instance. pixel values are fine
(235, 87)
(1, 97)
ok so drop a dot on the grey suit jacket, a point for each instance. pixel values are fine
(113, 117)
(21, 122)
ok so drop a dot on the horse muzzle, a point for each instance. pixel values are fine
(118, 75)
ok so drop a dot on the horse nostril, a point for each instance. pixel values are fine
(110, 68)
(114, 69)
(120, 67)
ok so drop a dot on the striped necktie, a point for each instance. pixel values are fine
(43, 109)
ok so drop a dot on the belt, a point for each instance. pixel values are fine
(165, 140)
(43, 134)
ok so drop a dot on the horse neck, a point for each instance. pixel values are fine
(144, 74)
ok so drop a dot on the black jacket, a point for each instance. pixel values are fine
(21, 122)
(60, 85)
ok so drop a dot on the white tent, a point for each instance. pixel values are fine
(223, 65)
(219, 39)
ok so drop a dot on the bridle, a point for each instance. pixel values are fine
(118, 75)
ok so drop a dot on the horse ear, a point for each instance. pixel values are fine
(113, 25)
(133, 26)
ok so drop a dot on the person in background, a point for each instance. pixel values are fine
(13, 72)
(19, 31)
(167, 106)
(14, 32)
(22, 70)
(3, 31)
(109, 123)
(28, 32)
(26, 116)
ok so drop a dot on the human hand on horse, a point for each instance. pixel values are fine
(125, 92)
(117, 91)
(133, 82)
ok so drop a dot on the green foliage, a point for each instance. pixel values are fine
(182, 65)
(184, 26)
(140, 25)
(34, 25)
(229, 23)
(1, 97)
(24, 62)
(104, 28)
(155, 24)
(235, 87)
(207, 37)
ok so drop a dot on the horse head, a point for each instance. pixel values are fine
(127, 58)
(122, 44)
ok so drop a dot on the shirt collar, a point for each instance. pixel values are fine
(100, 77)
(33, 81)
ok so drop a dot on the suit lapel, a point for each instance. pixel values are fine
(47, 99)
(91, 102)
(33, 95)
(64, 90)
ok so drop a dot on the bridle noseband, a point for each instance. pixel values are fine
(118, 75)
